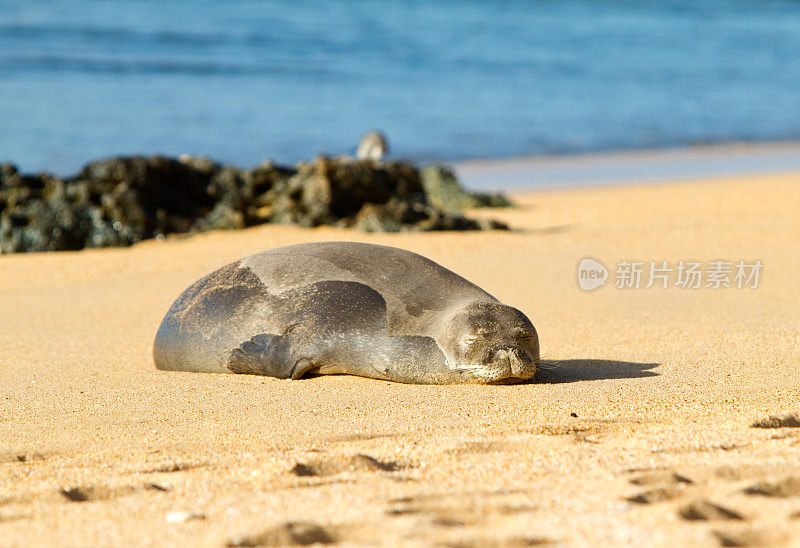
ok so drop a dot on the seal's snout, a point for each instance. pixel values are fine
(514, 362)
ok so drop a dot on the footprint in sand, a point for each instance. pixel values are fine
(170, 468)
(703, 510)
(574, 433)
(661, 477)
(79, 493)
(455, 510)
(752, 536)
(663, 485)
(333, 465)
(513, 542)
(5, 517)
(21, 457)
(485, 446)
(350, 438)
(582, 433)
(666, 485)
(288, 534)
(788, 420)
(659, 494)
(787, 487)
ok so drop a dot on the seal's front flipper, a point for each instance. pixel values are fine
(264, 354)
(301, 367)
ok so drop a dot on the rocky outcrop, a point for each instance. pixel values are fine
(445, 193)
(124, 200)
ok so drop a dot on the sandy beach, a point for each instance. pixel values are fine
(641, 437)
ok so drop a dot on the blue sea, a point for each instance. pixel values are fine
(243, 81)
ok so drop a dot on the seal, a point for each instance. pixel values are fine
(346, 308)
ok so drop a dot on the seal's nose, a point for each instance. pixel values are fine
(519, 365)
(514, 359)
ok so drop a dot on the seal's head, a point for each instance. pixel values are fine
(491, 343)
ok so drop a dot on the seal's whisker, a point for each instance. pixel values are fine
(543, 374)
(547, 371)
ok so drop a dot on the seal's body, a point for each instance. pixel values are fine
(346, 308)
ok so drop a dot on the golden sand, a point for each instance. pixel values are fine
(643, 438)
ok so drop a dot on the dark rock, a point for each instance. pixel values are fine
(445, 193)
(222, 217)
(9, 176)
(121, 201)
(376, 218)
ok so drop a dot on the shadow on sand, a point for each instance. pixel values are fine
(560, 371)
(545, 231)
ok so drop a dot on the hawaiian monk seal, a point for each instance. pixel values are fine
(346, 308)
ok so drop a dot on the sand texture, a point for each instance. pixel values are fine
(642, 437)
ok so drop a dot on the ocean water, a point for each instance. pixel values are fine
(243, 81)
